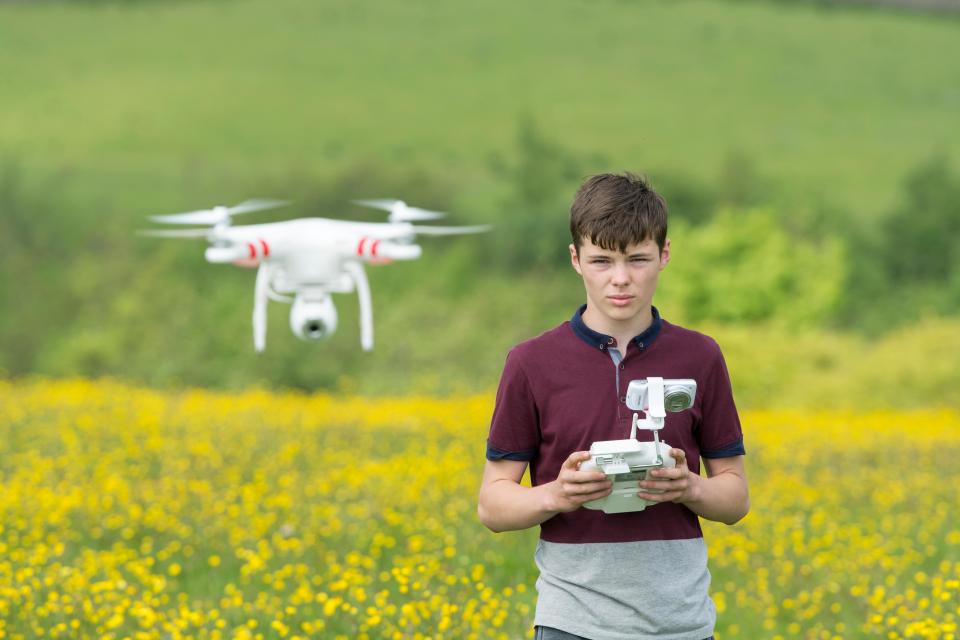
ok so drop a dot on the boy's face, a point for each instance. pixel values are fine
(620, 285)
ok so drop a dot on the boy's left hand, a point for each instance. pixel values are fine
(677, 484)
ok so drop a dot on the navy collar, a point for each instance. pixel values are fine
(603, 342)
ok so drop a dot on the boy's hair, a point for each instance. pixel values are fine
(615, 211)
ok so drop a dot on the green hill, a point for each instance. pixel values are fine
(812, 138)
(134, 96)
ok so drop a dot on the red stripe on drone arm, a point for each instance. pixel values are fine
(363, 241)
(253, 250)
(373, 249)
(266, 249)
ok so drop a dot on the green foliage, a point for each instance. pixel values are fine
(921, 237)
(742, 267)
(909, 266)
(154, 311)
(689, 200)
(37, 236)
(532, 231)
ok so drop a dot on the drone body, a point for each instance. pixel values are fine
(304, 261)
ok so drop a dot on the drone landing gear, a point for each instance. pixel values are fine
(319, 304)
(359, 276)
(260, 292)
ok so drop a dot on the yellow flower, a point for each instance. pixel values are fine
(119, 489)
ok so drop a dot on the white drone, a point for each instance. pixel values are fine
(303, 261)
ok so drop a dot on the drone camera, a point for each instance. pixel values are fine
(315, 329)
(313, 318)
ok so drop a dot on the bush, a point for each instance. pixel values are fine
(922, 236)
(743, 267)
(531, 227)
(909, 265)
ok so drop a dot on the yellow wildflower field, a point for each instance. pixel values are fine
(131, 513)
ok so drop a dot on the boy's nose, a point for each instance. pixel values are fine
(621, 274)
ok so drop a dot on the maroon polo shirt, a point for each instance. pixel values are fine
(561, 391)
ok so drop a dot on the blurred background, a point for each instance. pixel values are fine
(809, 151)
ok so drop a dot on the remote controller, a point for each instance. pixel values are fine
(626, 462)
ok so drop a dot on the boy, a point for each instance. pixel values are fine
(628, 575)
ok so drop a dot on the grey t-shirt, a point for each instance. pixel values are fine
(656, 589)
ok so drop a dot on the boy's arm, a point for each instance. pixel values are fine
(506, 505)
(721, 496)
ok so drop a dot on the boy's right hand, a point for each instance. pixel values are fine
(573, 488)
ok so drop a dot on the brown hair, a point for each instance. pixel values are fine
(615, 211)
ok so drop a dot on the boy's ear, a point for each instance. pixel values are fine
(574, 258)
(665, 254)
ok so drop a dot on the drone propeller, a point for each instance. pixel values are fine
(449, 231)
(400, 211)
(175, 233)
(218, 214)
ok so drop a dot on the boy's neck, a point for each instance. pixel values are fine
(624, 330)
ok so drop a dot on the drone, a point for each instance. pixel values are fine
(303, 261)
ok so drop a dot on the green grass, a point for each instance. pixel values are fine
(141, 98)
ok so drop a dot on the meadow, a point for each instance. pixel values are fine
(131, 513)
